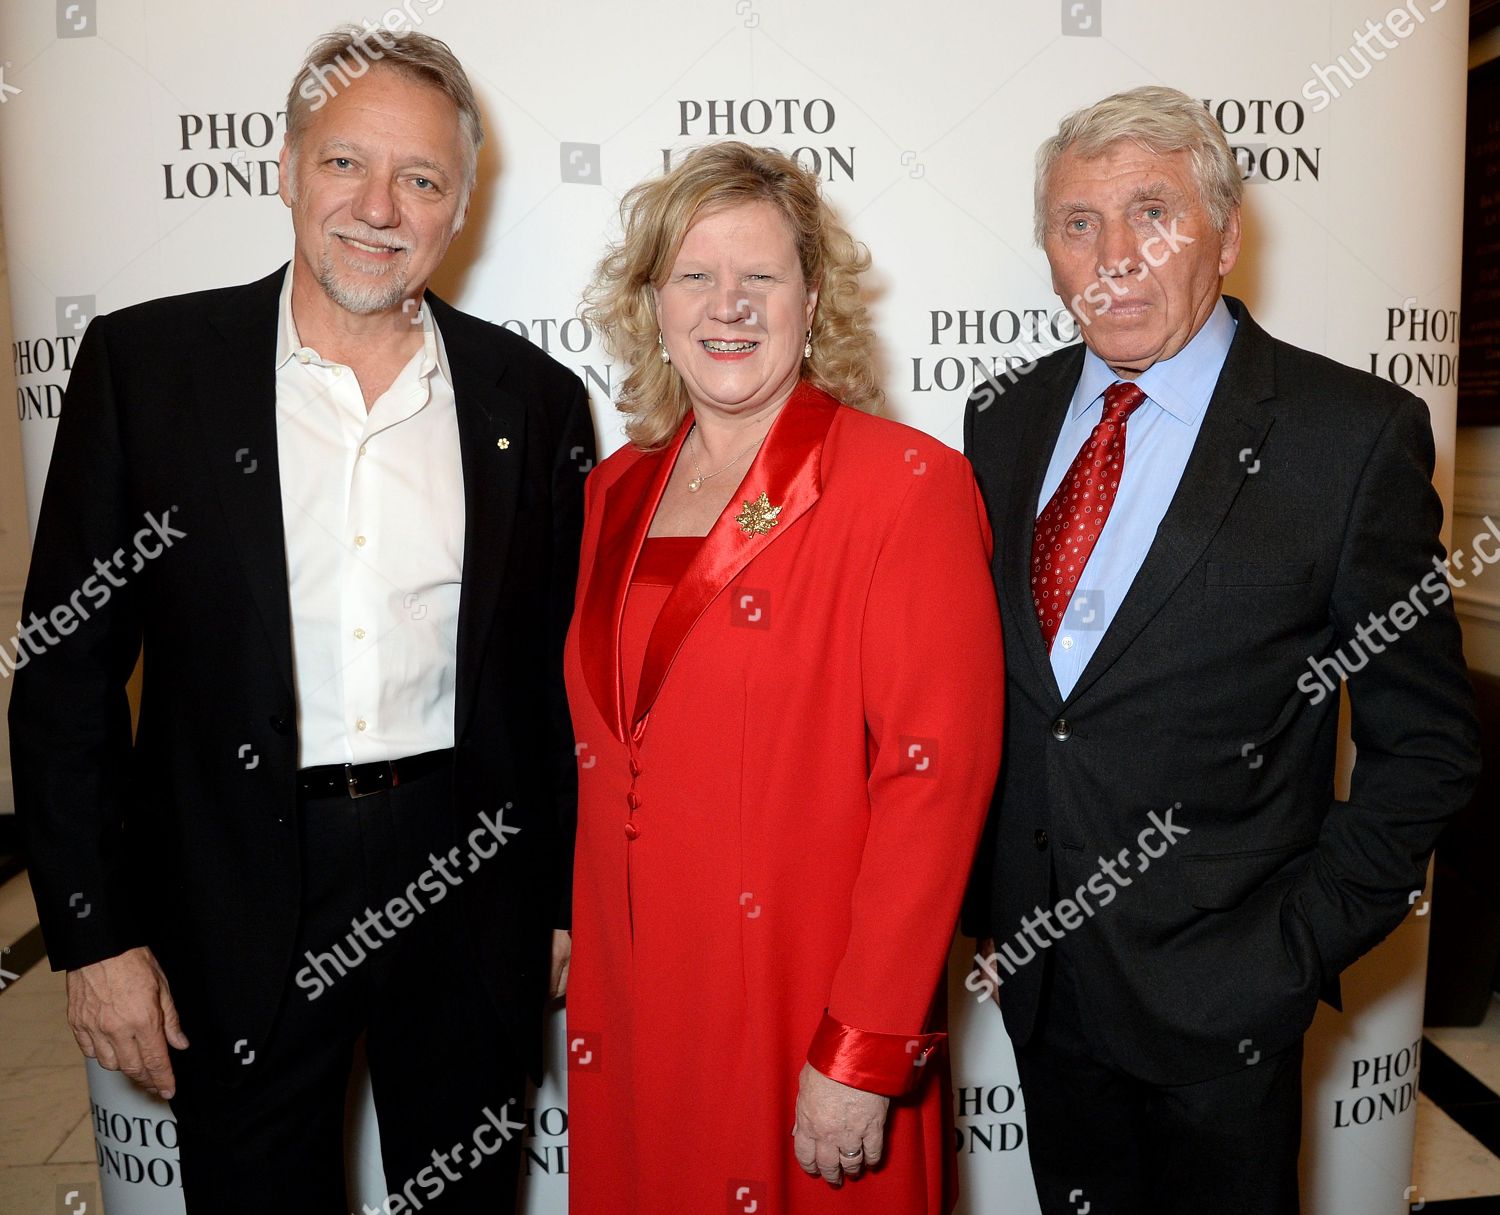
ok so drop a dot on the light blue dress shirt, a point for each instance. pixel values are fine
(1159, 437)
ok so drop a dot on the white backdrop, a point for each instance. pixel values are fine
(137, 149)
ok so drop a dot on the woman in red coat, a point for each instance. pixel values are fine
(785, 678)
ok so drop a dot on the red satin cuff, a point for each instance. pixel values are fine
(890, 1064)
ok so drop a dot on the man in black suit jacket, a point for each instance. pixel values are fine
(258, 877)
(1167, 882)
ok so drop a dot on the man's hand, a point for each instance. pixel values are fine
(834, 1120)
(122, 1014)
(562, 955)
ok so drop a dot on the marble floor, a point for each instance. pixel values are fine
(1458, 1119)
(47, 1160)
(46, 1140)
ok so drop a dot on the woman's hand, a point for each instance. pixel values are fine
(833, 1121)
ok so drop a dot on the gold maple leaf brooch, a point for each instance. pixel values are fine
(758, 517)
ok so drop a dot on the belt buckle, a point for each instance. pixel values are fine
(352, 784)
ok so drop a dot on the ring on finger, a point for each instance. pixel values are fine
(854, 1155)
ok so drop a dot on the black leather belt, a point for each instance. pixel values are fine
(361, 780)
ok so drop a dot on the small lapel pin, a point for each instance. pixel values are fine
(758, 517)
(502, 444)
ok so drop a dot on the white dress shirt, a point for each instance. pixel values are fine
(373, 504)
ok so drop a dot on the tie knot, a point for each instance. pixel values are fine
(1120, 401)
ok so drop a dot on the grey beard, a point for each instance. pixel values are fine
(362, 299)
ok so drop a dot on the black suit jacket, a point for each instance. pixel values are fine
(185, 839)
(1306, 504)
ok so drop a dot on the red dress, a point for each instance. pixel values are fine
(787, 736)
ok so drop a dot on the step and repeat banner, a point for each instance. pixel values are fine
(138, 148)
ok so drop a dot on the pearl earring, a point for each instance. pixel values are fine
(807, 349)
(665, 357)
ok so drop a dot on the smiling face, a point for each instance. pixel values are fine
(734, 311)
(1133, 253)
(375, 185)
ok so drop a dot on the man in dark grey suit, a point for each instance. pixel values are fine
(1193, 523)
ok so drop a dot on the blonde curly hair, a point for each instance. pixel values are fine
(656, 215)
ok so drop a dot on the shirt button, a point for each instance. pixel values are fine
(361, 724)
(1066, 643)
(359, 634)
(359, 541)
(361, 449)
(633, 800)
(635, 766)
(1062, 729)
(303, 357)
(338, 371)
(1039, 838)
(632, 832)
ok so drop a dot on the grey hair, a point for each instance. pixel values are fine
(345, 54)
(1162, 120)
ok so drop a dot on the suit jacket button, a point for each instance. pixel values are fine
(1039, 838)
(1062, 729)
(632, 832)
(281, 724)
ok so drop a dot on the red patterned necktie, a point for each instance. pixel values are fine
(1070, 523)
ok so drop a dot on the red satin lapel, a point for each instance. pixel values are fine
(786, 468)
(628, 509)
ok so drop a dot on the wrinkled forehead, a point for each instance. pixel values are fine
(386, 108)
(1121, 172)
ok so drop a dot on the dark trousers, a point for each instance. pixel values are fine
(446, 1086)
(1105, 1142)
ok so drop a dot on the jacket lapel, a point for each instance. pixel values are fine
(629, 506)
(239, 440)
(1237, 420)
(1038, 438)
(492, 441)
(786, 470)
